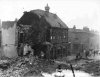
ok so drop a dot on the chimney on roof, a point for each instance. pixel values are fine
(74, 27)
(47, 8)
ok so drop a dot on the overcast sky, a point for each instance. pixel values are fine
(72, 12)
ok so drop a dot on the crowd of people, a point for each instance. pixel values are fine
(87, 53)
(25, 50)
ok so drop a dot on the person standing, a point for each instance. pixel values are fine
(25, 49)
(84, 53)
(87, 54)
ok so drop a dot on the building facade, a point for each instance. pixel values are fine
(82, 39)
(43, 26)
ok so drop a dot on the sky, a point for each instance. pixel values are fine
(73, 12)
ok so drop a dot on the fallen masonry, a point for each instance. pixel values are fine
(34, 66)
(23, 66)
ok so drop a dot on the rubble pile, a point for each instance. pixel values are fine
(14, 70)
(41, 66)
(33, 66)
(87, 65)
(93, 68)
(22, 67)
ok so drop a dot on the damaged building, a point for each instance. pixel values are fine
(39, 28)
(9, 39)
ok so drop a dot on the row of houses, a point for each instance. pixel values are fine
(53, 29)
(83, 39)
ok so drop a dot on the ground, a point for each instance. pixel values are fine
(21, 67)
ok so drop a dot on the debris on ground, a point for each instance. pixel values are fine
(87, 65)
(33, 66)
(24, 66)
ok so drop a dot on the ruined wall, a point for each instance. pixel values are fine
(8, 39)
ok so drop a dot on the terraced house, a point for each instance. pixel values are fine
(82, 39)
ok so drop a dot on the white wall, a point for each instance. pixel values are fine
(8, 41)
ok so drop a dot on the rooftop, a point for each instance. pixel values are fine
(51, 18)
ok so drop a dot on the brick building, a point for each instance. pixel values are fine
(41, 26)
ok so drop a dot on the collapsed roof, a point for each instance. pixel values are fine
(50, 18)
